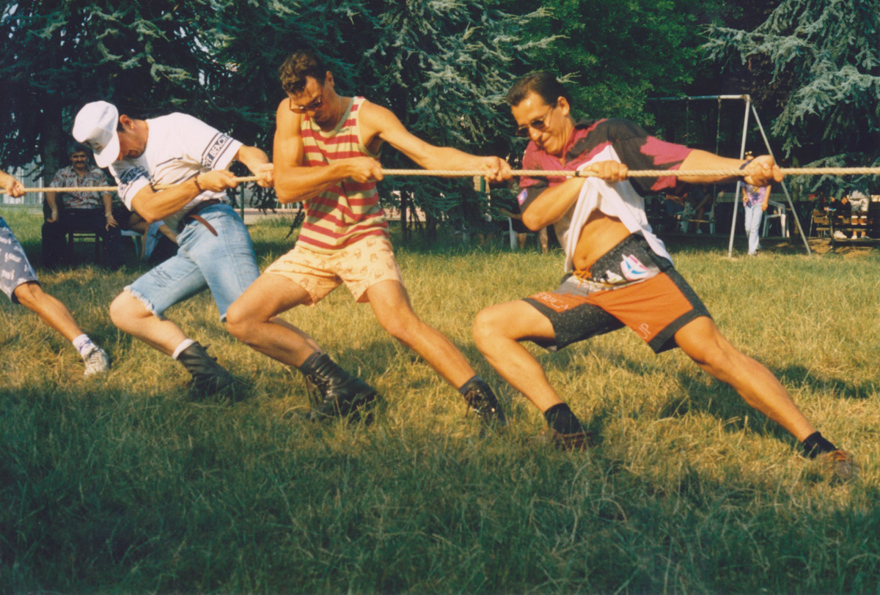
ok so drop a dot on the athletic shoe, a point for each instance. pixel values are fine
(482, 400)
(840, 464)
(96, 362)
(208, 377)
(339, 394)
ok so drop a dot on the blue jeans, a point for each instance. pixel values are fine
(224, 263)
(754, 216)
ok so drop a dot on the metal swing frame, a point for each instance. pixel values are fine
(749, 109)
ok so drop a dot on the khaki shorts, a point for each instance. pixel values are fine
(359, 266)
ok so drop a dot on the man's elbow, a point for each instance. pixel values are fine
(286, 196)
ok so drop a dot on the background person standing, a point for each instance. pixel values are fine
(755, 200)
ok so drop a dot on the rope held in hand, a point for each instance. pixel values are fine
(540, 173)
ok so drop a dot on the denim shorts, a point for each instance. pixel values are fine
(224, 263)
(15, 269)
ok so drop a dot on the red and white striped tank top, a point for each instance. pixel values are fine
(348, 211)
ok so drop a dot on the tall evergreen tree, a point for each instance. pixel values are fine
(443, 67)
(58, 54)
(825, 60)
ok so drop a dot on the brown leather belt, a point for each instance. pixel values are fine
(193, 215)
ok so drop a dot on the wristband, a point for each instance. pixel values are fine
(196, 180)
(743, 166)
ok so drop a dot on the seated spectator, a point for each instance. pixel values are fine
(703, 208)
(159, 241)
(79, 211)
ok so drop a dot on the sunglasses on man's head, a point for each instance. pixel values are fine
(539, 124)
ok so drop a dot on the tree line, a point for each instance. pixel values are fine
(443, 67)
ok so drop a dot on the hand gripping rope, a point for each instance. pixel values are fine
(646, 173)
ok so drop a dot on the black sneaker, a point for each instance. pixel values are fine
(482, 400)
(208, 377)
(339, 394)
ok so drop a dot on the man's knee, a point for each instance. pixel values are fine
(125, 309)
(488, 324)
(29, 295)
(704, 343)
(238, 322)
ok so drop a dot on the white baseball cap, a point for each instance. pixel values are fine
(95, 127)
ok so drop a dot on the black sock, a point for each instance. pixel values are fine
(475, 381)
(308, 366)
(560, 418)
(815, 445)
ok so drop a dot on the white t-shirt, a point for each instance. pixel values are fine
(615, 200)
(179, 147)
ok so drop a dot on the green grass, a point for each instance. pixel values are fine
(120, 484)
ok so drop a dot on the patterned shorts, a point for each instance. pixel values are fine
(359, 266)
(14, 266)
(629, 286)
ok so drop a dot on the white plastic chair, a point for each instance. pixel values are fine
(780, 214)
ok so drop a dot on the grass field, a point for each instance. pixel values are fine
(120, 484)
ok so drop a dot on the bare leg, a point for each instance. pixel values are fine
(703, 342)
(498, 331)
(252, 318)
(543, 239)
(132, 317)
(49, 309)
(393, 311)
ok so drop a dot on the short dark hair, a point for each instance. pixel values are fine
(298, 66)
(540, 82)
(78, 148)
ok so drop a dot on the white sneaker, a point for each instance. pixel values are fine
(96, 362)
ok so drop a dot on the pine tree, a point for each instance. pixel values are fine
(825, 57)
(443, 67)
(60, 54)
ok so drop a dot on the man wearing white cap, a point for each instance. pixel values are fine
(19, 282)
(215, 250)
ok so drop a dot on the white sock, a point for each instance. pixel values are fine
(84, 345)
(186, 343)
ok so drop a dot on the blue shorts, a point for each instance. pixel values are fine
(224, 263)
(14, 266)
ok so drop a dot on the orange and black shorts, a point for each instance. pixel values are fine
(629, 286)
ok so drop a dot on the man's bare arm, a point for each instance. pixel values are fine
(11, 185)
(380, 122)
(52, 201)
(256, 160)
(153, 206)
(552, 204)
(761, 171)
(295, 182)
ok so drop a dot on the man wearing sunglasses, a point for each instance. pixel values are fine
(326, 155)
(619, 271)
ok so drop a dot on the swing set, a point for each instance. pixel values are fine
(749, 111)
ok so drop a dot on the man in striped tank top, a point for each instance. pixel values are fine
(326, 156)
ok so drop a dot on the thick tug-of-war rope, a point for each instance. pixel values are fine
(540, 173)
